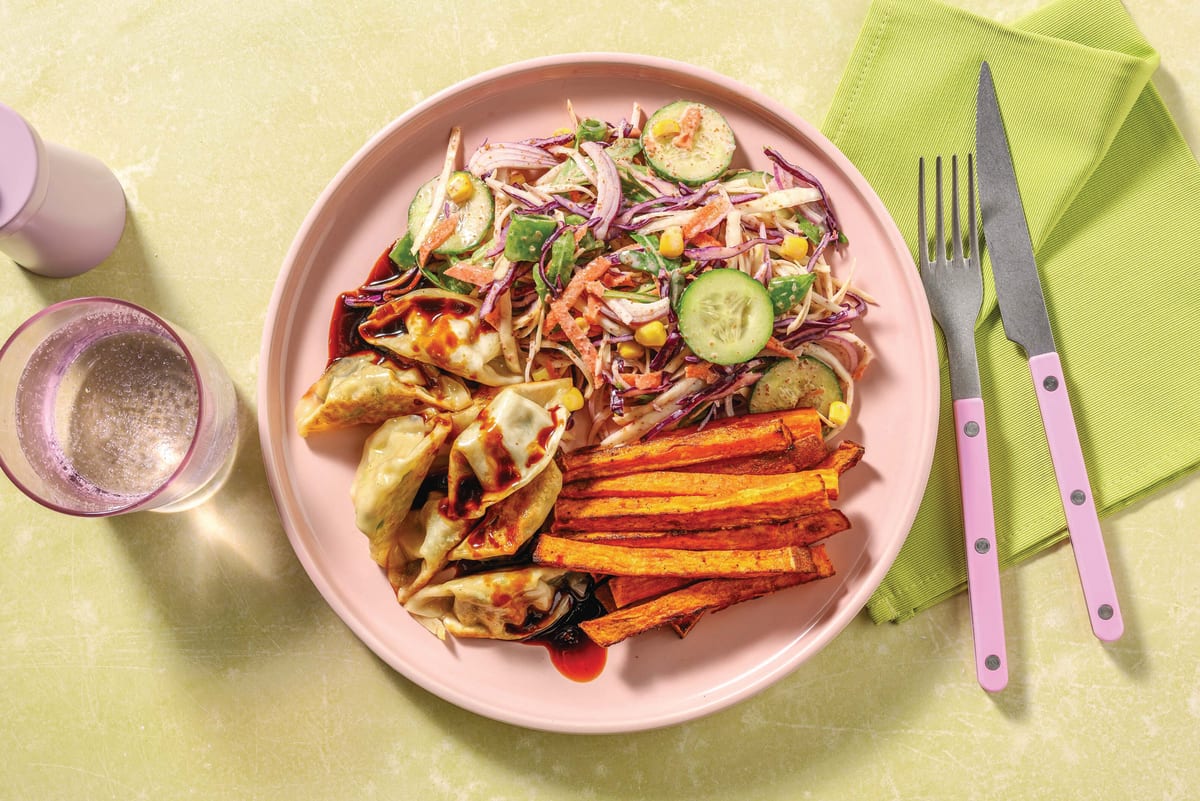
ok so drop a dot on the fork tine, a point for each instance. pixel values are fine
(974, 232)
(939, 229)
(922, 240)
(955, 229)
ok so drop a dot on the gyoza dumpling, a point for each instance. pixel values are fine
(443, 329)
(512, 522)
(499, 605)
(396, 459)
(512, 440)
(367, 388)
(422, 546)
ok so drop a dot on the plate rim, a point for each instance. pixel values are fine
(270, 376)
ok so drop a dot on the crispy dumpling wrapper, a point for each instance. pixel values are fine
(396, 458)
(367, 388)
(442, 329)
(512, 440)
(422, 546)
(512, 522)
(500, 604)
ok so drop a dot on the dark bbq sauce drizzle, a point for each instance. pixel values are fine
(352, 308)
(571, 651)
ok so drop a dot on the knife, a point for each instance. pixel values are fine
(1023, 312)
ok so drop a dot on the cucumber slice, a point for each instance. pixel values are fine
(725, 316)
(708, 156)
(474, 216)
(806, 382)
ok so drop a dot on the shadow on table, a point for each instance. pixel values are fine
(841, 701)
(218, 572)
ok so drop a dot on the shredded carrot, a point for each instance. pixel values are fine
(706, 216)
(592, 271)
(643, 380)
(560, 312)
(437, 237)
(595, 291)
(703, 371)
(689, 123)
(616, 279)
(775, 346)
(707, 240)
(471, 273)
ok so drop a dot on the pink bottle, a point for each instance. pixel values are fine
(62, 212)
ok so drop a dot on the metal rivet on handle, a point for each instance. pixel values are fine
(982, 545)
(1105, 612)
(1077, 497)
(992, 662)
(1051, 383)
(971, 429)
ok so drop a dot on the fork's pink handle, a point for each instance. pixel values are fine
(1099, 592)
(979, 525)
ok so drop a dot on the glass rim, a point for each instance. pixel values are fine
(143, 501)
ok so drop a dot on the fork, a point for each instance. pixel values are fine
(954, 285)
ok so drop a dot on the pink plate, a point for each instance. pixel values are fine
(655, 679)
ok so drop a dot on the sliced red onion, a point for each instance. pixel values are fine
(490, 157)
(608, 188)
(826, 238)
(808, 178)
(715, 253)
(496, 289)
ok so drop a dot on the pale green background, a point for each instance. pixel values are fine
(189, 656)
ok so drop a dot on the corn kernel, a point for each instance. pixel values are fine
(664, 128)
(582, 324)
(516, 177)
(794, 247)
(630, 350)
(562, 130)
(670, 244)
(839, 413)
(540, 374)
(652, 335)
(573, 399)
(459, 189)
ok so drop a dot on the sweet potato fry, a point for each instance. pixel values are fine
(667, 483)
(677, 448)
(845, 456)
(804, 530)
(806, 452)
(801, 422)
(802, 494)
(685, 603)
(618, 560)
(629, 590)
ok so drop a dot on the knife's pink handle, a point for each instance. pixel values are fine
(979, 525)
(1099, 592)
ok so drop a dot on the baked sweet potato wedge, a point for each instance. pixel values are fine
(803, 494)
(618, 560)
(804, 530)
(685, 604)
(668, 483)
(678, 448)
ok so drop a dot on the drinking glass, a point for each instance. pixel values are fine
(106, 408)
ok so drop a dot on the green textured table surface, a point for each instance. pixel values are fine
(189, 656)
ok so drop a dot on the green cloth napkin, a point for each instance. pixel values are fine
(1112, 195)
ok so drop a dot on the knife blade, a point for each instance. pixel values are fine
(1026, 322)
